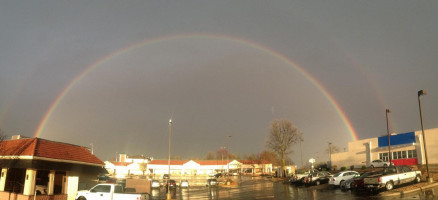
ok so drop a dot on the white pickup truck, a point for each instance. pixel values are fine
(393, 175)
(109, 192)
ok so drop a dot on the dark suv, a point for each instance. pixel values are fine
(170, 184)
(317, 178)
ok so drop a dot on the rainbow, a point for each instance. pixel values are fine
(267, 50)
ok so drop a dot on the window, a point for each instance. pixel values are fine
(410, 154)
(394, 155)
(406, 169)
(102, 188)
(404, 154)
(118, 189)
(383, 156)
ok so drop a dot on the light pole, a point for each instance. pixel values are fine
(222, 155)
(421, 93)
(169, 196)
(228, 155)
(301, 152)
(389, 137)
(330, 153)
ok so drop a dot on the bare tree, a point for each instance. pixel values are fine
(282, 136)
(270, 157)
(210, 156)
(332, 149)
(2, 138)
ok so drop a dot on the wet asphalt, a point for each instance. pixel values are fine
(266, 188)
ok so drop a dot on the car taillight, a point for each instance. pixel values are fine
(378, 179)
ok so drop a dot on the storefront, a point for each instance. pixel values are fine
(406, 149)
(34, 168)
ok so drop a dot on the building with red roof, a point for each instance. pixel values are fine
(37, 166)
(125, 167)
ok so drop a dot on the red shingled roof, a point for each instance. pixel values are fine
(212, 162)
(121, 163)
(165, 162)
(47, 149)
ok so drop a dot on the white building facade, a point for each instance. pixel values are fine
(406, 149)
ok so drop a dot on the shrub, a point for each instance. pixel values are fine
(351, 167)
(343, 168)
(364, 167)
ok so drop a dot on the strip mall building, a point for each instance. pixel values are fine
(406, 149)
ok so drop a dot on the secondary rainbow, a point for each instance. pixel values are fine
(267, 50)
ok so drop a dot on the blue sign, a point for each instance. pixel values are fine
(403, 138)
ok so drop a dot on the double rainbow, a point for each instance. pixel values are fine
(251, 44)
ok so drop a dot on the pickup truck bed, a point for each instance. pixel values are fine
(391, 176)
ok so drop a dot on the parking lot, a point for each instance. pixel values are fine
(268, 188)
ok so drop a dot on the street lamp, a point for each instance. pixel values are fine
(169, 196)
(389, 138)
(330, 153)
(421, 93)
(228, 155)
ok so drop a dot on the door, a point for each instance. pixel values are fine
(100, 192)
(407, 174)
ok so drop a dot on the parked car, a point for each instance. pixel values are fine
(298, 178)
(218, 175)
(391, 176)
(317, 178)
(341, 177)
(211, 182)
(380, 163)
(165, 176)
(355, 182)
(170, 184)
(41, 189)
(184, 183)
(358, 183)
(155, 184)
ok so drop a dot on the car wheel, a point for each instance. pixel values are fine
(389, 186)
(372, 166)
(385, 165)
(317, 183)
(82, 198)
(341, 183)
(417, 179)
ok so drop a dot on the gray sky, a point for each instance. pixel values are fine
(219, 68)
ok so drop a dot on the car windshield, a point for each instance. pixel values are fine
(390, 170)
(337, 174)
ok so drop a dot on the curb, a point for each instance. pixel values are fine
(409, 191)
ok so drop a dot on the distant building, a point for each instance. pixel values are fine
(406, 149)
(127, 166)
(52, 169)
(131, 167)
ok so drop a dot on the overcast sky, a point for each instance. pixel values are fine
(217, 68)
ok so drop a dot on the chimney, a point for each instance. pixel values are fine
(122, 157)
(17, 137)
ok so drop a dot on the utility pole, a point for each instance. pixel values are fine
(228, 155)
(389, 137)
(169, 196)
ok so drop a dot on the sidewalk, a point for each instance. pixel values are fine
(417, 187)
